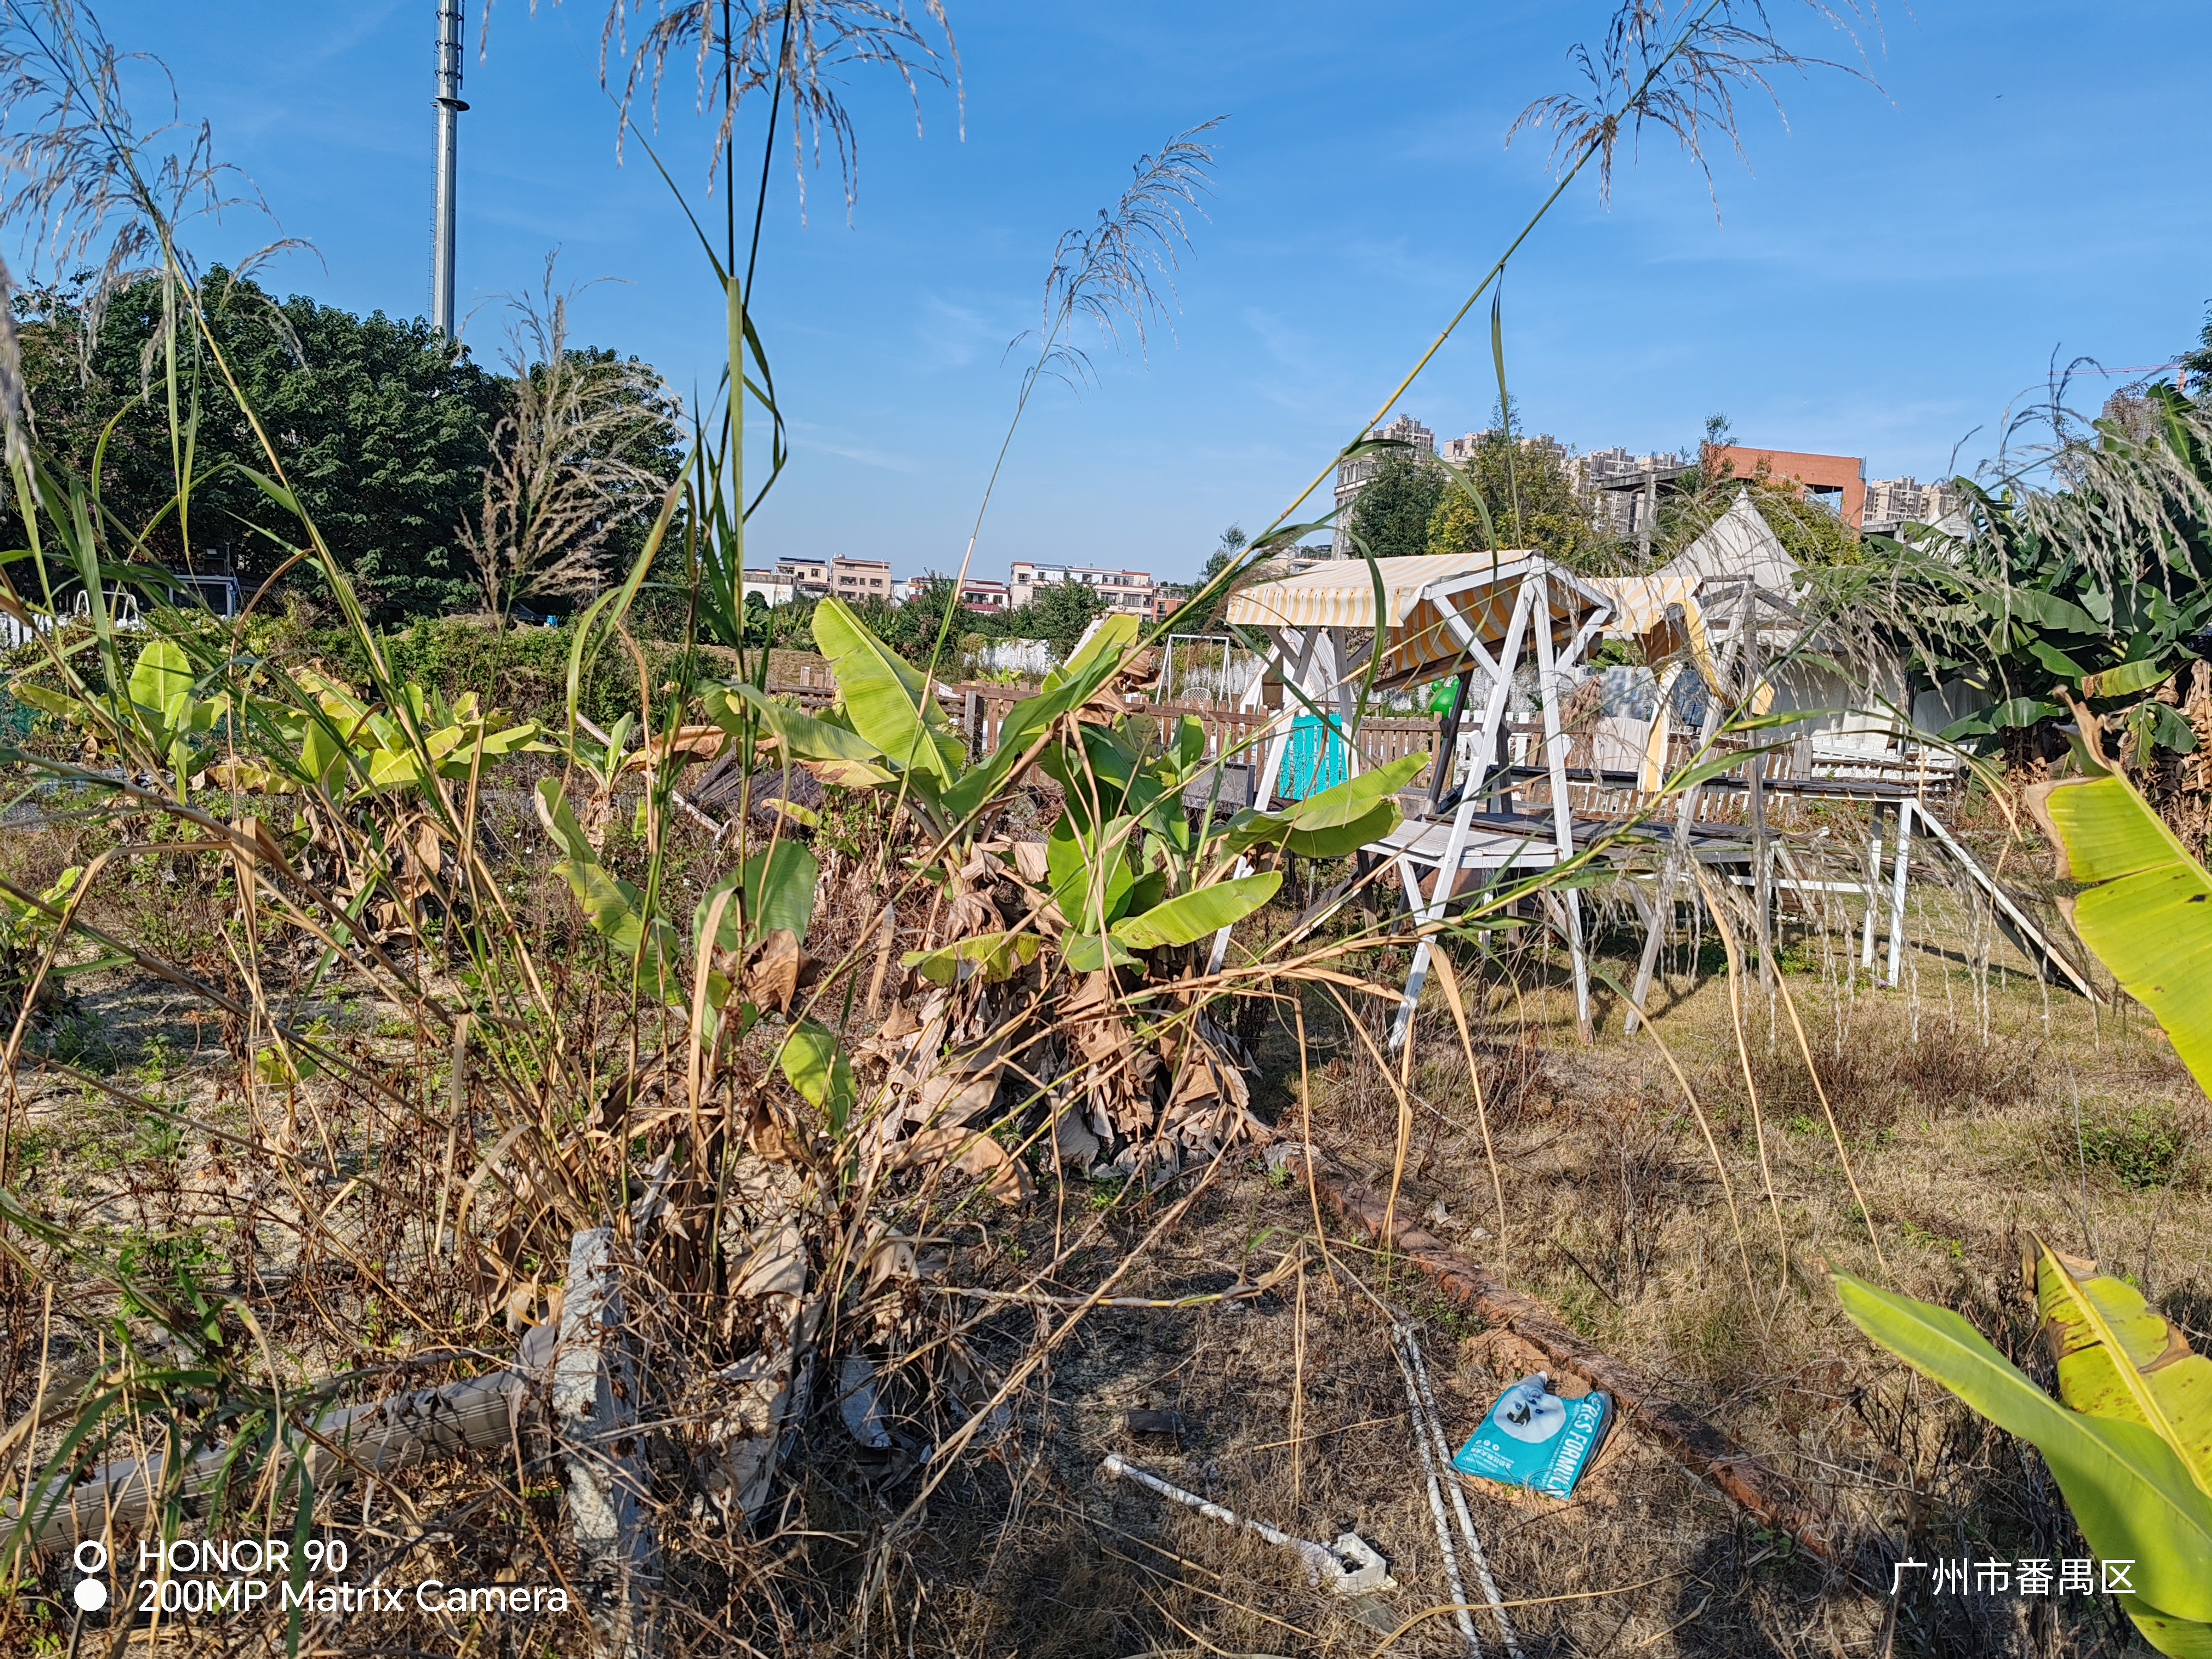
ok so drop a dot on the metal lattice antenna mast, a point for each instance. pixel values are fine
(449, 144)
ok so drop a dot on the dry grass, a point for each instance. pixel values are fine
(1615, 1217)
(2078, 1127)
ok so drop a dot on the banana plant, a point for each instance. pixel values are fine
(160, 708)
(371, 743)
(2097, 590)
(770, 893)
(1335, 821)
(1127, 872)
(2126, 1476)
(352, 749)
(885, 732)
(773, 890)
(2145, 906)
(2131, 1445)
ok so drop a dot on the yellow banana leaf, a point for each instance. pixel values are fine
(2119, 1359)
(2147, 911)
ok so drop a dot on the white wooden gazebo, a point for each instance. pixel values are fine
(1473, 617)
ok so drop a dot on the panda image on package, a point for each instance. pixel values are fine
(1534, 1438)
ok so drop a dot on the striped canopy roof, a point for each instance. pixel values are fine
(1481, 587)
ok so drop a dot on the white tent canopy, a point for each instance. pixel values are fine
(1471, 615)
(1740, 546)
(1438, 611)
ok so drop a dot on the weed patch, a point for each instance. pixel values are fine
(2143, 1147)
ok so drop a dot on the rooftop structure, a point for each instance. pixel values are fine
(774, 587)
(1819, 475)
(1622, 490)
(991, 597)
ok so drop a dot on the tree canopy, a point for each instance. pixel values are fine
(1531, 502)
(384, 428)
(2196, 363)
(1389, 518)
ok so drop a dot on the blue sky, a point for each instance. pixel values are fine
(1895, 272)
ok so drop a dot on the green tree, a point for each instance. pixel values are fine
(1233, 542)
(912, 629)
(1232, 546)
(1813, 534)
(1058, 616)
(384, 428)
(1389, 518)
(2198, 362)
(1524, 485)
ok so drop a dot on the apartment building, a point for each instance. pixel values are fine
(1132, 591)
(850, 579)
(990, 598)
(853, 580)
(1355, 474)
(1892, 503)
(808, 578)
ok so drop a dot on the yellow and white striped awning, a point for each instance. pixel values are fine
(1481, 588)
(1661, 611)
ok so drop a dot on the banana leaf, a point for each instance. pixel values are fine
(2147, 909)
(989, 957)
(2131, 1496)
(1067, 688)
(817, 1066)
(2044, 609)
(162, 673)
(2119, 1359)
(1345, 838)
(2178, 1638)
(1354, 801)
(1195, 916)
(780, 883)
(1091, 953)
(1105, 648)
(615, 910)
(801, 737)
(2127, 679)
(883, 696)
(1089, 884)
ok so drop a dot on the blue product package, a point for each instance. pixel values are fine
(1534, 1438)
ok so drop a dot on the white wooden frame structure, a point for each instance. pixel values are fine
(1474, 617)
(1469, 615)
